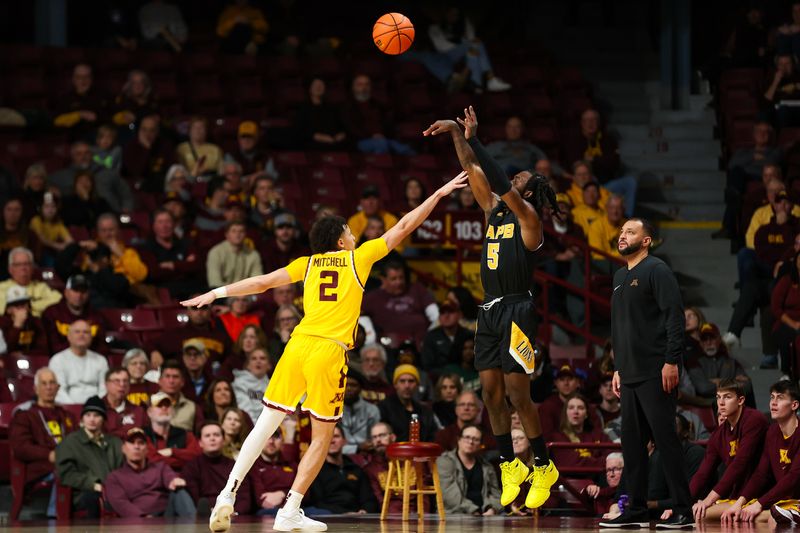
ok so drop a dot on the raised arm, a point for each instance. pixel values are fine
(477, 179)
(252, 285)
(406, 225)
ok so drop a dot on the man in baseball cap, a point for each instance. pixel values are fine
(74, 306)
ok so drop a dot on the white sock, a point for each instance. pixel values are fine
(268, 421)
(293, 500)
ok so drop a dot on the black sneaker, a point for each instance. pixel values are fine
(627, 521)
(785, 515)
(677, 521)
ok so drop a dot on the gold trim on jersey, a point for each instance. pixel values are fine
(353, 268)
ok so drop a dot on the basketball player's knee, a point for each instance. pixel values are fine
(520, 399)
(492, 398)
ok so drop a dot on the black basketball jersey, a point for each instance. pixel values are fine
(506, 265)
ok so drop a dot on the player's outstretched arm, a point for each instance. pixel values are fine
(245, 287)
(477, 179)
(414, 218)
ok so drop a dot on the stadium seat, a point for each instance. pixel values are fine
(336, 159)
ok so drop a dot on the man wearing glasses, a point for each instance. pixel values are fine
(20, 268)
(121, 415)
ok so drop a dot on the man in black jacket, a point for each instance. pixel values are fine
(442, 345)
(396, 410)
(647, 327)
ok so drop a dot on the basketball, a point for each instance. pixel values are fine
(393, 33)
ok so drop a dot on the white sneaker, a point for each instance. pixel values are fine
(495, 85)
(220, 519)
(296, 521)
(730, 340)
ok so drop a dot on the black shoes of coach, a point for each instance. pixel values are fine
(627, 520)
(677, 521)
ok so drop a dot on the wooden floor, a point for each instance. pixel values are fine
(366, 523)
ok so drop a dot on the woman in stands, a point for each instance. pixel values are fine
(415, 194)
(199, 155)
(219, 397)
(576, 427)
(319, 123)
(286, 319)
(447, 389)
(83, 206)
(235, 427)
(137, 364)
(136, 100)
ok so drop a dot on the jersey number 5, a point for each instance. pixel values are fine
(330, 281)
(492, 255)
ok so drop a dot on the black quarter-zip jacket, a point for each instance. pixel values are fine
(647, 321)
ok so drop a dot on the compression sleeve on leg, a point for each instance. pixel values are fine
(269, 420)
(497, 179)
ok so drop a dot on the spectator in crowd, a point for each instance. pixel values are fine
(231, 172)
(465, 368)
(567, 384)
(776, 193)
(162, 26)
(442, 344)
(110, 187)
(398, 408)
(448, 388)
(747, 45)
(735, 445)
(140, 488)
(522, 451)
(22, 331)
(173, 445)
(232, 259)
(399, 307)
(609, 406)
(368, 123)
(581, 176)
(771, 239)
(341, 485)
(708, 369)
(197, 153)
(242, 28)
(254, 160)
(82, 205)
(604, 233)
(177, 183)
(453, 39)
(82, 106)
(86, 457)
(250, 339)
(211, 214)
(171, 261)
(136, 362)
(74, 306)
(285, 247)
(239, 316)
(415, 194)
(468, 412)
(783, 88)
(220, 396)
(358, 416)
(146, 157)
(39, 426)
(208, 472)
(185, 413)
(203, 325)
(746, 165)
(121, 415)
(287, 317)
(34, 186)
(369, 205)
(604, 496)
(136, 102)
(515, 152)
(273, 473)
(377, 465)
(20, 268)
(407, 354)
(15, 230)
(250, 383)
(265, 204)
(376, 387)
(589, 210)
(79, 370)
(236, 424)
(785, 306)
(124, 259)
(469, 482)
(466, 302)
(49, 229)
(198, 374)
(319, 123)
(658, 493)
(106, 152)
(575, 426)
(597, 146)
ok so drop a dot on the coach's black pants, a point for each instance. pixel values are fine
(649, 413)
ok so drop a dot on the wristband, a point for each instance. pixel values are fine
(220, 292)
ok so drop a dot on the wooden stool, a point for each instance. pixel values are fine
(403, 456)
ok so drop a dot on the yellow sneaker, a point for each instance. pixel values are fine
(541, 478)
(512, 475)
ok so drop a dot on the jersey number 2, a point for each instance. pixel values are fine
(330, 281)
(492, 255)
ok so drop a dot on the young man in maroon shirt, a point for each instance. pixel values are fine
(273, 473)
(777, 476)
(736, 443)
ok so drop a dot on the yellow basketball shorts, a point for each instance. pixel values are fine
(312, 366)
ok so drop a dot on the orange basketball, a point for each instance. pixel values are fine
(393, 33)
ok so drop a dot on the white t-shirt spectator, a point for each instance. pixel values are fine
(80, 377)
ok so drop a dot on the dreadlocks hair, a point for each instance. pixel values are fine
(541, 194)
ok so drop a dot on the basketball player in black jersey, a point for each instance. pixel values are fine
(504, 355)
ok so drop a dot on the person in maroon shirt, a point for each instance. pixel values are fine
(609, 406)
(785, 305)
(38, 427)
(273, 473)
(202, 325)
(121, 415)
(376, 466)
(137, 364)
(736, 444)
(576, 427)
(174, 446)
(146, 157)
(566, 383)
(23, 332)
(280, 251)
(373, 365)
(468, 411)
(777, 476)
(207, 474)
(772, 239)
(74, 306)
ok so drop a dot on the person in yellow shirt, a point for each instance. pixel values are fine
(242, 28)
(764, 214)
(604, 232)
(313, 363)
(124, 259)
(584, 214)
(196, 154)
(581, 175)
(370, 206)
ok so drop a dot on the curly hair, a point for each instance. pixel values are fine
(325, 234)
